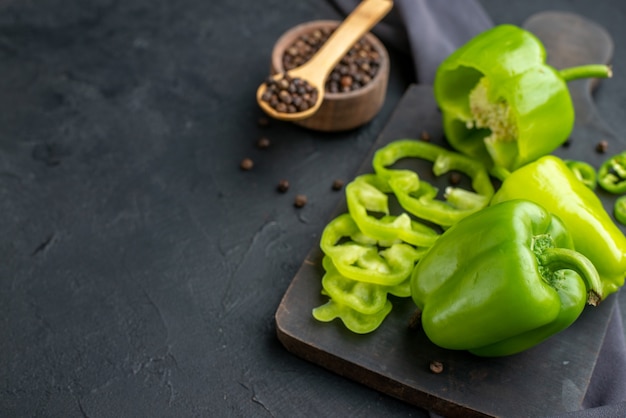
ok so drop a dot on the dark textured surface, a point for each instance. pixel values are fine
(141, 268)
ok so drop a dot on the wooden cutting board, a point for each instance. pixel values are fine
(548, 379)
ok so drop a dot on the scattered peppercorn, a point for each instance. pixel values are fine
(283, 186)
(455, 178)
(300, 201)
(263, 121)
(602, 147)
(246, 164)
(355, 70)
(425, 136)
(289, 94)
(337, 184)
(436, 366)
(416, 320)
(263, 143)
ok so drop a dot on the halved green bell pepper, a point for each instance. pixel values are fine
(502, 280)
(501, 103)
(550, 183)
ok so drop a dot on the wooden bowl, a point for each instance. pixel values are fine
(339, 111)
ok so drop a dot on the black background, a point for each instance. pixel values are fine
(140, 268)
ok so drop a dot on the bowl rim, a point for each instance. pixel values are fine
(288, 37)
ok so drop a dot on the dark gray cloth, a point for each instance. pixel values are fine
(430, 31)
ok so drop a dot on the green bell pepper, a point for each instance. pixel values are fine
(501, 103)
(502, 280)
(418, 197)
(550, 183)
(612, 174)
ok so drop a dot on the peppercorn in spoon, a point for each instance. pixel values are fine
(303, 87)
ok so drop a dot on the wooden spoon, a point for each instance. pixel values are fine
(316, 70)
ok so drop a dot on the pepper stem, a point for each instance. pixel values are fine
(555, 259)
(586, 71)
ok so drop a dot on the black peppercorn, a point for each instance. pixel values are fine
(263, 143)
(361, 62)
(283, 186)
(246, 164)
(300, 201)
(289, 95)
(602, 147)
(455, 178)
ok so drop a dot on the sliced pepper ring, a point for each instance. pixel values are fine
(419, 197)
(364, 262)
(367, 193)
(612, 174)
(363, 297)
(583, 172)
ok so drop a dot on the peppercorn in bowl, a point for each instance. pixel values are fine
(355, 89)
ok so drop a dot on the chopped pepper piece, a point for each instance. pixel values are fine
(550, 183)
(502, 280)
(583, 172)
(500, 101)
(418, 197)
(619, 210)
(612, 174)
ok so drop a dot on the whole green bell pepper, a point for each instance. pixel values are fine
(550, 183)
(501, 103)
(502, 280)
